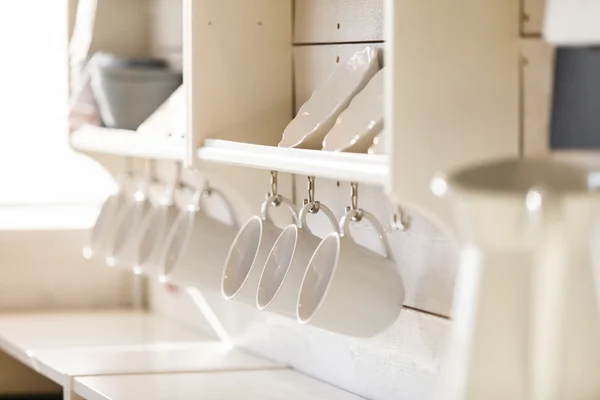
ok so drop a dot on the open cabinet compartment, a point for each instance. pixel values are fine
(238, 70)
(133, 28)
(243, 72)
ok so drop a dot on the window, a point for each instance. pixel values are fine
(39, 173)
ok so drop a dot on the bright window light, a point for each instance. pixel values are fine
(37, 166)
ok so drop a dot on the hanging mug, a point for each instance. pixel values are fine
(348, 288)
(122, 244)
(103, 229)
(249, 251)
(197, 245)
(153, 234)
(286, 264)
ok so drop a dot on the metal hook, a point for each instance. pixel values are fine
(311, 196)
(277, 197)
(400, 220)
(357, 212)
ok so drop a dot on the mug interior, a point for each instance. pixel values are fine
(318, 277)
(177, 242)
(240, 259)
(277, 266)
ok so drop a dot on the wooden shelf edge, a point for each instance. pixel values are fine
(363, 168)
(126, 143)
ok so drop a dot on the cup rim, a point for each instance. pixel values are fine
(337, 237)
(229, 296)
(287, 270)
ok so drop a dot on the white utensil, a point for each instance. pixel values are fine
(318, 115)
(357, 126)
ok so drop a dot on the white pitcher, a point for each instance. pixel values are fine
(526, 324)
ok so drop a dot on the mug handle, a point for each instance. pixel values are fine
(264, 208)
(199, 194)
(349, 217)
(304, 211)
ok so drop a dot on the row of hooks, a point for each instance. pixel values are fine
(400, 220)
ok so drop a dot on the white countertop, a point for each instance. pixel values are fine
(246, 385)
(23, 334)
(61, 365)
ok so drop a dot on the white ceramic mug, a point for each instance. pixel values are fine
(122, 245)
(101, 233)
(153, 235)
(348, 288)
(249, 251)
(197, 246)
(286, 264)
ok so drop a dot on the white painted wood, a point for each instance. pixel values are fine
(21, 335)
(533, 17)
(248, 385)
(238, 70)
(127, 143)
(328, 21)
(538, 80)
(342, 166)
(165, 31)
(165, 25)
(402, 362)
(121, 28)
(203, 356)
(572, 22)
(314, 64)
(453, 93)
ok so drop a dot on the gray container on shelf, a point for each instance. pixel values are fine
(128, 92)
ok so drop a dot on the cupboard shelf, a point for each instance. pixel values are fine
(363, 168)
(126, 143)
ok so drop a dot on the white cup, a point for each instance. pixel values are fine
(249, 251)
(122, 244)
(348, 288)
(197, 246)
(153, 234)
(103, 229)
(284, 270)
